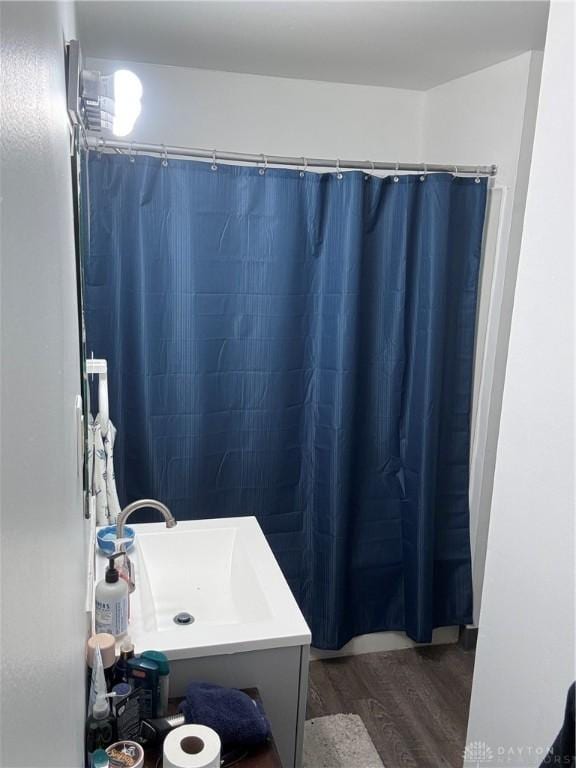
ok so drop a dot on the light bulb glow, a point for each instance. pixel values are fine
(127, 101)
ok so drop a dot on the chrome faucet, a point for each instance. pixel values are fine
(142, 504)
(121, 522)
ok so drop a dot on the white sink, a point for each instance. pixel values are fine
(223, 573)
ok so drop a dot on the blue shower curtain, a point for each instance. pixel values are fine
(298, 347)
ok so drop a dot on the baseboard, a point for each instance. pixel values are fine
(468, 638)
(386, 641)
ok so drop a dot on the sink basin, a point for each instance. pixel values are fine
(223, 575)
(205, 573)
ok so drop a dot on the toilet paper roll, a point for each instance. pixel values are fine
(192, 746)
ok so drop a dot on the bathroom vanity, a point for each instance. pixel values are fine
(211, 596)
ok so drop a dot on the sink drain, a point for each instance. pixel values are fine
(183, 618)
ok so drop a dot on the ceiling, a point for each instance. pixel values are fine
(407, 44)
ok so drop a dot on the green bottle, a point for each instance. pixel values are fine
(100, 759)
(100, 727)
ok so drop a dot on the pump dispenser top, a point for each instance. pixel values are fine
(112, 574)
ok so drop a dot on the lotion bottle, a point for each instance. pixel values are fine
(111, 597)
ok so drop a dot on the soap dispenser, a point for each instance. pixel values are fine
(111, 597)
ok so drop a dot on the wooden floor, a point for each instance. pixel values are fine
(414, 702)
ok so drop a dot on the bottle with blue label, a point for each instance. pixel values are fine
(111, 598)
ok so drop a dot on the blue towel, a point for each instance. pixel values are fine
(236, 718)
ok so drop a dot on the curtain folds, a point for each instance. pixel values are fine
(298, 347)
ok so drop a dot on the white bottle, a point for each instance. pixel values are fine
(111, 597)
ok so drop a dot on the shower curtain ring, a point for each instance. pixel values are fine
(455, 170)
(100, 146)
(477, 179)
(338, 171)
(164, 157)
(425, 169)
(131, 152)
(305, 165)
(262, 171)
(214, 166)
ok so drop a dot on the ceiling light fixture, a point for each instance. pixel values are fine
(102, 103)
(127, 101)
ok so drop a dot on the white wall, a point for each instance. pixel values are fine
(525, 657)
(274, 115)
(489, 117)
(479, 118)
(42, 571)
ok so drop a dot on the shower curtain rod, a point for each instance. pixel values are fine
(94, 142)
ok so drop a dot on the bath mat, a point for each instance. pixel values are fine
(339, 741)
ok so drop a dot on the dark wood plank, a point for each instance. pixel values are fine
(414, 702)
(386, 732)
